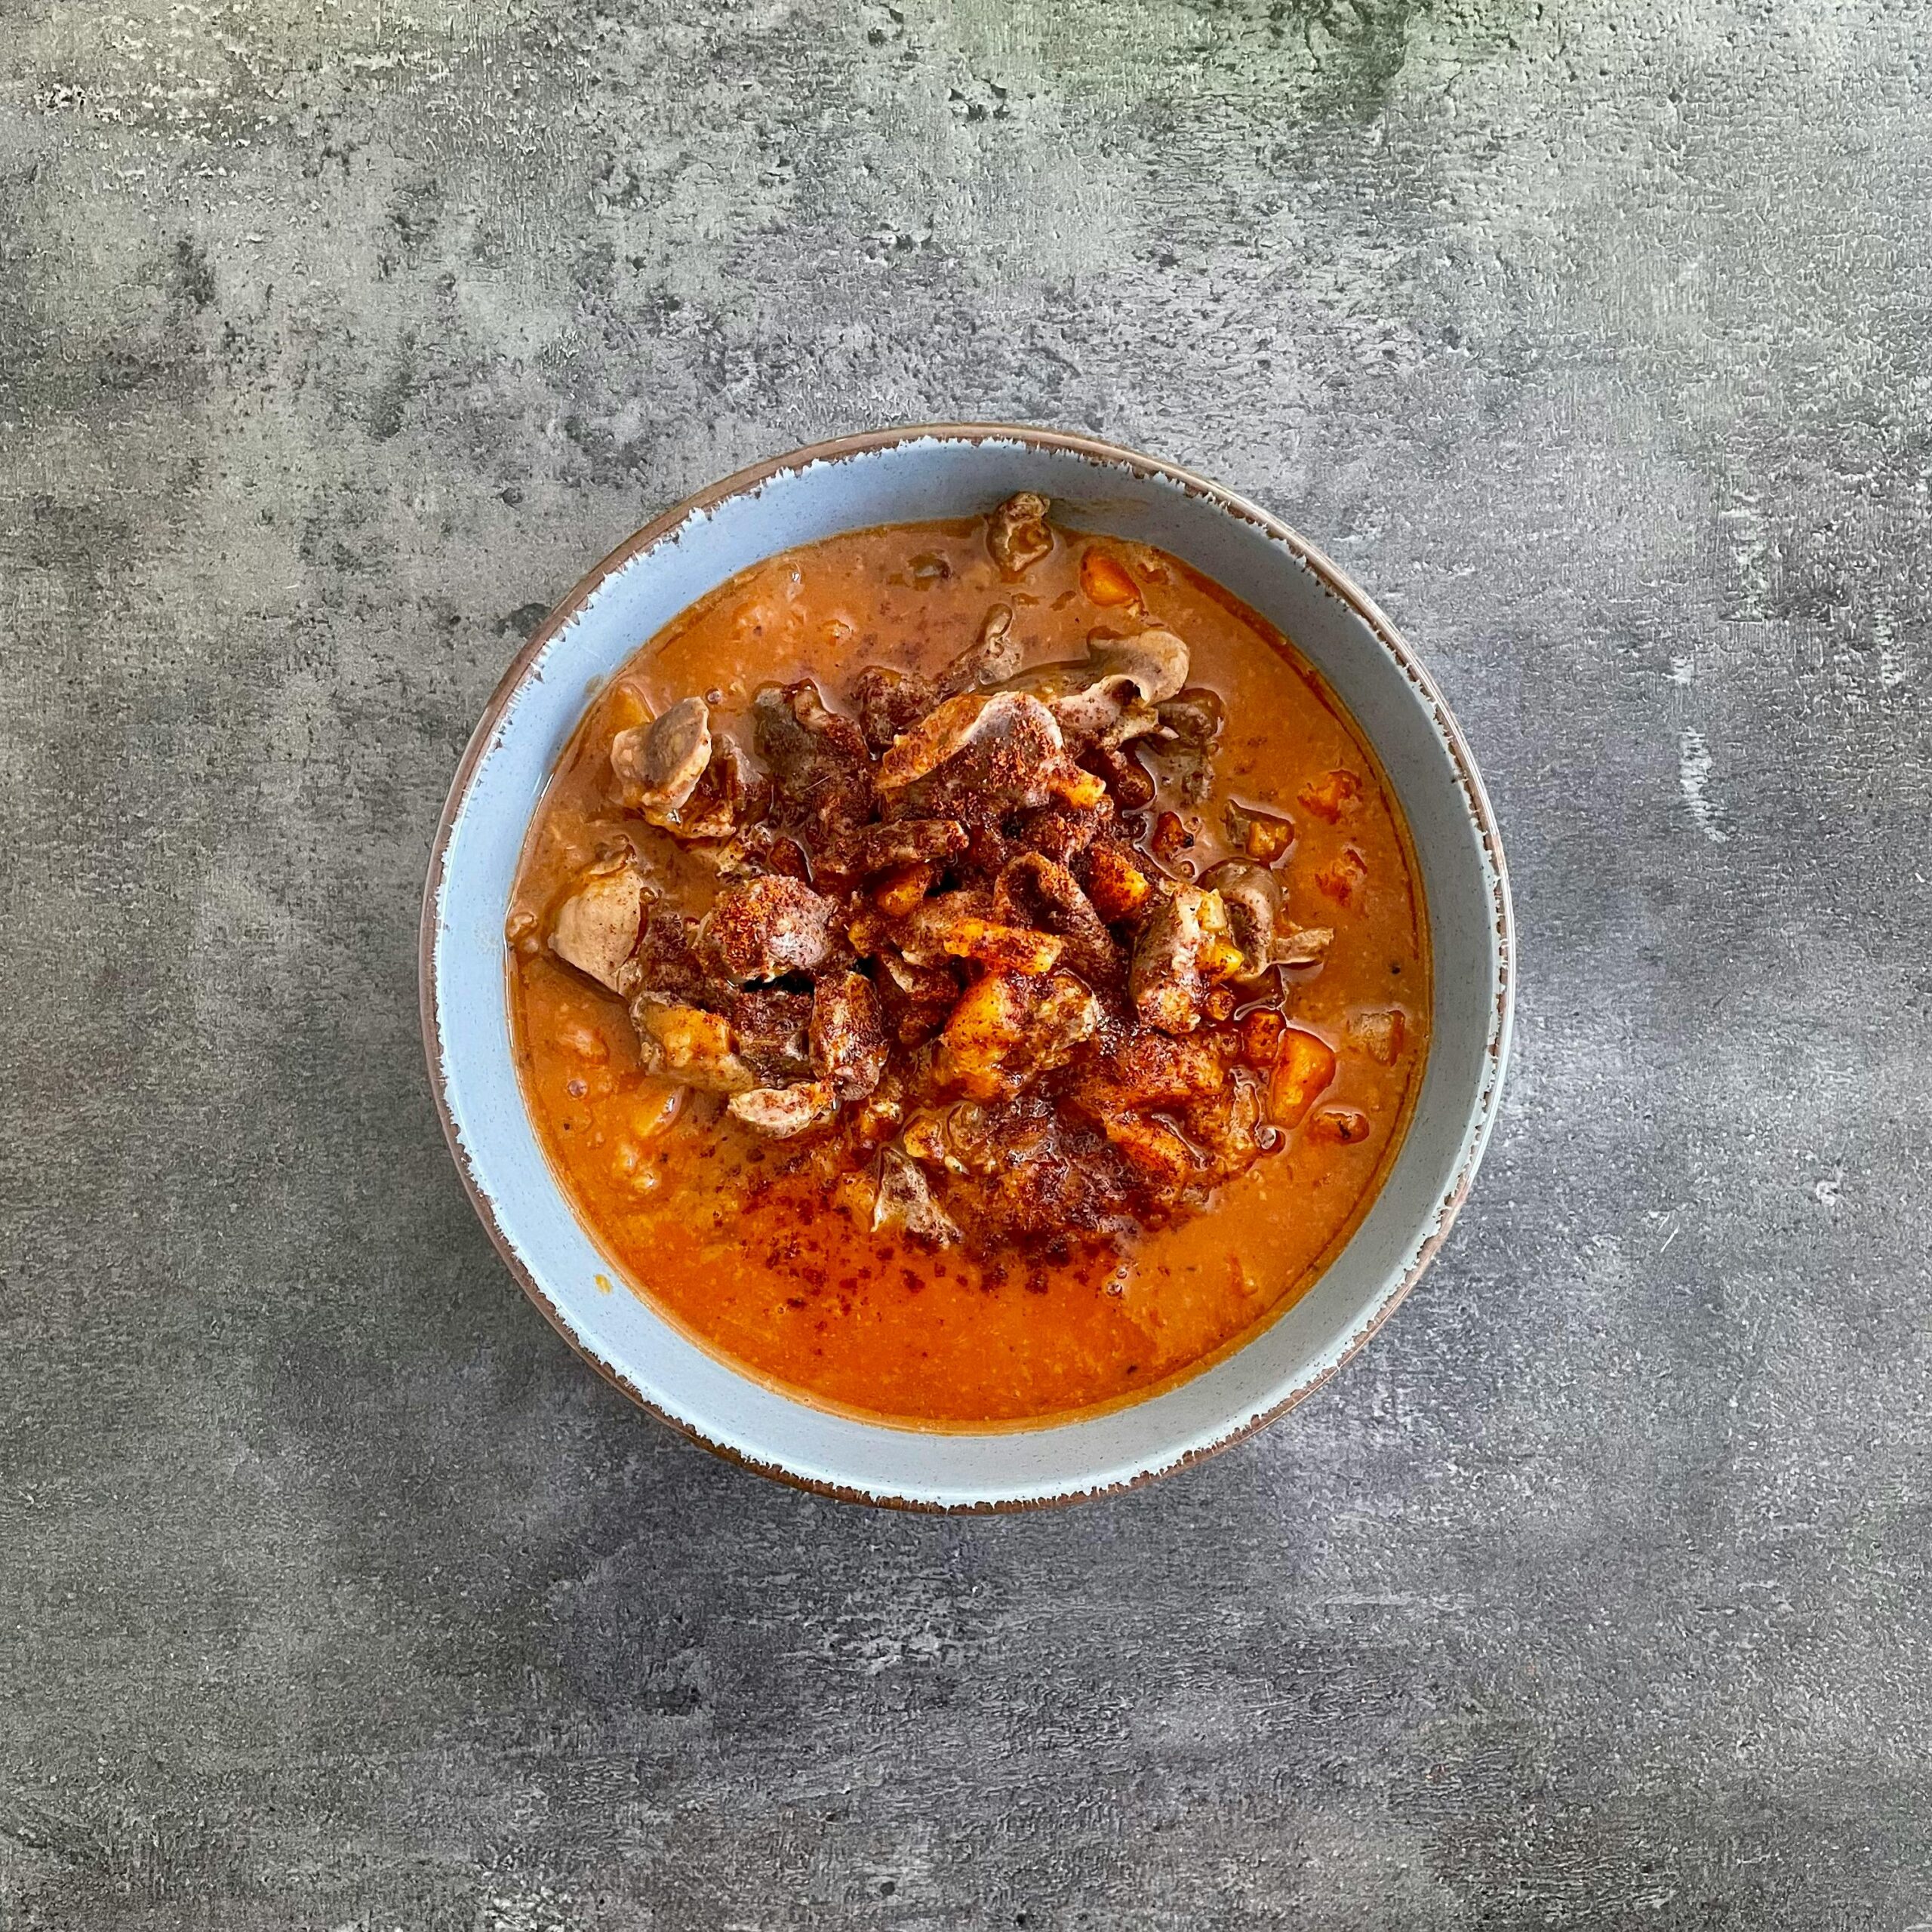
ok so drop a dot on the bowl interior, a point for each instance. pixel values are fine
(914, 476)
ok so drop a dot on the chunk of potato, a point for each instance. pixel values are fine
(902, 888)
(1004, 949)
(1105, 581)
(1261, 1032)
(1303, 1069)
(686, 1043)
(1009, 1028)
(1118, 886)
(984, 1027)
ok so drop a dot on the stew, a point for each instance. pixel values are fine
(969, 972)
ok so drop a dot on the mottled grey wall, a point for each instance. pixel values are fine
(337, 336)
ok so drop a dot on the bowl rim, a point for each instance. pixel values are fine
(748, 480)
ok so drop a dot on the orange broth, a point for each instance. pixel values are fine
(787, 1285)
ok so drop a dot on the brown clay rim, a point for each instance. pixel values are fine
(750, 481)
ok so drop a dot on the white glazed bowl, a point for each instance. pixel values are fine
(909, 475)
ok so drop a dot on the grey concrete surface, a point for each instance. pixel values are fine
(337, 336)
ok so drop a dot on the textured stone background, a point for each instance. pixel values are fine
(337, 336)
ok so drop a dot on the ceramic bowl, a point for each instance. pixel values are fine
(905, 475)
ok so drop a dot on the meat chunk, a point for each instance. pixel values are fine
(1191, 726)
(1259, 835)
(1183, 946)
(1112, 698)
(1302, 946)
(1063, 832)
(904, 842)
(1141, 1071)
(890, 702)
(784, 1112)
(1155, 1150)
(1033, 891)
(658, 766)
(991, 658)
(1253, 896)
(1017, 533)
(1231, 1127)
(724, 799)
(666, 960)
(821, 767)
(688, 1044)
(596, 928)
(1124, 775)
(1065, 1187)
(1196, 718)
(759, 851)
(771, 1032)
(916, 999)
(764, 928)
(905, 1204)
(847, 1035)
(1108, 713)
(1155, 660)
(1011, 1029)
(985, 755)
(945, 1139)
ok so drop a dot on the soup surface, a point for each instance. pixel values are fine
(968, 972)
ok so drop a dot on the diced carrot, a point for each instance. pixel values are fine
(1343, 1125)
(1342, 876)
(1261, 1035)
(1105, 581)
(1306, 1066)
(1331, 794)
